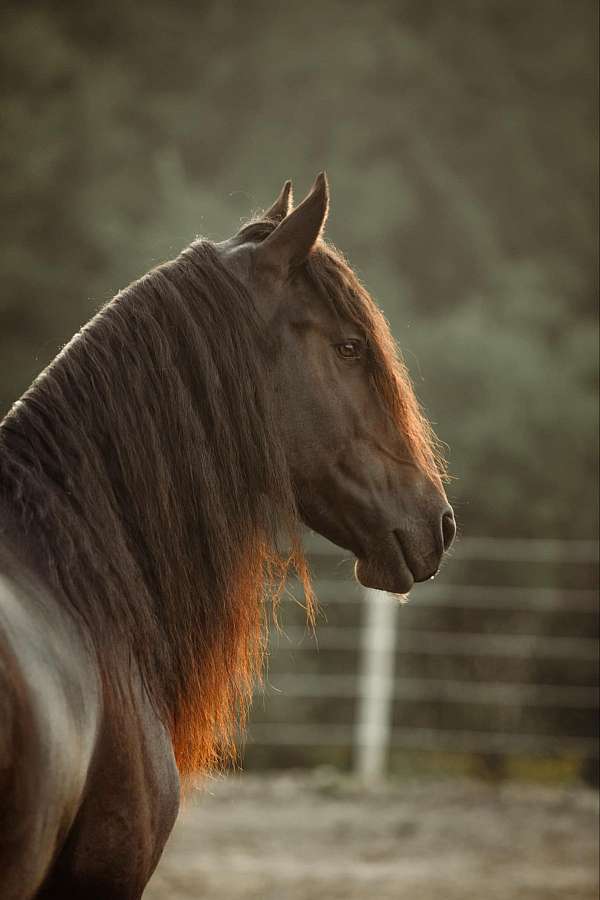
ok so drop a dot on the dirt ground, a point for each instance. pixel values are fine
(321, 836)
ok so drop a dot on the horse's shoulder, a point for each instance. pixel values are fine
(51, 711)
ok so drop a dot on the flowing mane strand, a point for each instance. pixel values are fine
(146, 461)
(331, 275)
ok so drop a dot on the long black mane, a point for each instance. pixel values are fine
(145, 462)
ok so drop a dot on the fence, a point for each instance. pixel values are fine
(503, 660)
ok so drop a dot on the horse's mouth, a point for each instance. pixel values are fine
(386, 569)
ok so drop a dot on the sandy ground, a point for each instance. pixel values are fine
(321, 836)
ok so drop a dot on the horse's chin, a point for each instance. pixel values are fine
(380, 565)
(385, 572)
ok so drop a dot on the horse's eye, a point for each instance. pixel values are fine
(349, 349)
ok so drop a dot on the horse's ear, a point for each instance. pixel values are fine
(282, 206)
(291, 242)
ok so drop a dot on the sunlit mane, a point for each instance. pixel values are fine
(334, 279)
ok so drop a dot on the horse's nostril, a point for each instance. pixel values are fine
(448, 528)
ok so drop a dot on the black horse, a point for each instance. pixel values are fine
(145, 478)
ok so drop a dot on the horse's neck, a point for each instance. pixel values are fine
(147, 468)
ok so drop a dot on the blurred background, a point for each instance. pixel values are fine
(461, 144)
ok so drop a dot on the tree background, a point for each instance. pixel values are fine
(461, 145)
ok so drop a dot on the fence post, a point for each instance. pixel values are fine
(376, 686)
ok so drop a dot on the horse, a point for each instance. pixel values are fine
(154, 481)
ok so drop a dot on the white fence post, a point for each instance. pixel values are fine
(376, 687)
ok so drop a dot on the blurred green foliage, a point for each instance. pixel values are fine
(461, 144)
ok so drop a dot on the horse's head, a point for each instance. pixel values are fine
(361, 455)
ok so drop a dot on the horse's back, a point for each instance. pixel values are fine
(50, 713)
